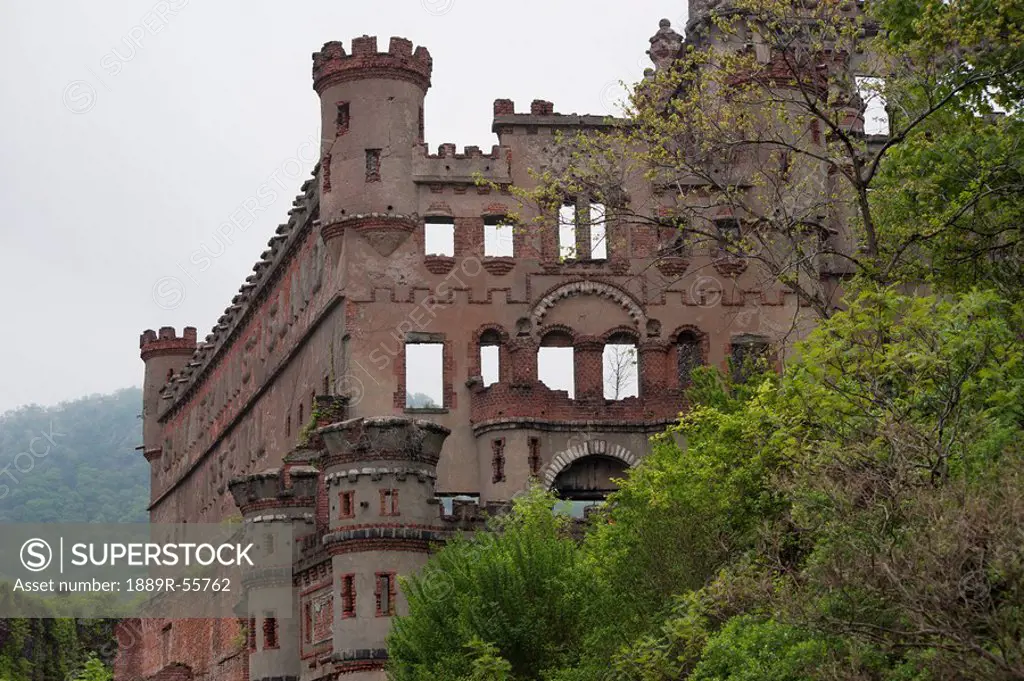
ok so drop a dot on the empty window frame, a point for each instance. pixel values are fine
(689, 356)
(598, 231)
(498, 237)
(424, 375)
(490, 357)
(567, 231)
(872, 95)
(556, 363)
(389, 502)
(348, 596)
(347, 505)
(439, 236)
(621, 368)
(385, 593)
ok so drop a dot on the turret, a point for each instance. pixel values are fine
(380, 475)
(165, 354)
(277, 507)
(371, 106)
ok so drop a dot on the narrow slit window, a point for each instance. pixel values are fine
(567, 231)
(424, 375)
(621, 369)
(385, 594)
(343, 119)
(348, 596)
(498, 238)
(598, 232)
(373, 165)
(872, 96)
(347, 505)
(439, 237)
(389, 502)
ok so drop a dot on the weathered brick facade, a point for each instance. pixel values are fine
(317, 337)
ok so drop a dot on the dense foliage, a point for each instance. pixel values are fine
(857, 516)
(75, 462)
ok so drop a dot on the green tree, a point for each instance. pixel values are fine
(502, 602)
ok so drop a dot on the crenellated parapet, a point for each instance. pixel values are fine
(542, 114)
(332, 65)
(447, 165)
(167, 342)
(385, 438)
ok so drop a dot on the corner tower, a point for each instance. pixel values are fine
(164, 354)
(371, 107)
(384, 517)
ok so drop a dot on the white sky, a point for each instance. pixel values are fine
(115, 168)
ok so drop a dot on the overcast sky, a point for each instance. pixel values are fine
(131, 129)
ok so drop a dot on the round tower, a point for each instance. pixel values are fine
(277, 507)
(371, 106)
(380, 475)
(164, 354)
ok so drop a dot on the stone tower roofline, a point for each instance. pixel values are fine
(332, 65)
(383, 438)
(167, 342)
(275, 488)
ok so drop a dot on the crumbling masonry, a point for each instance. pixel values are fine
(296, 402)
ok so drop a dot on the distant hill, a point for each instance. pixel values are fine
(74, 462)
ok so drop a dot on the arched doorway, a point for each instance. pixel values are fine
(587, 482)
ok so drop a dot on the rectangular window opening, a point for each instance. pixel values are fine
(876, 116)
(348, 596)
(439, 237)
(307, 622)
(343, 119)
(424, 375)
(567, 232)
(385, 594)
(347, 505)
(490, 363)
(498, 238)
(621, 371)
(373, 165)
(269, 630)
(555, 369)
(389, 502)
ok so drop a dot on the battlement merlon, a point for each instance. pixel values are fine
(275, 488)
(542, 114)
(332, 65)
(383, 438)
(166, 342)
(449, 166)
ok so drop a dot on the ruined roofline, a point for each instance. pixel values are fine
(542, 113)
(245, 302)
(332, 65)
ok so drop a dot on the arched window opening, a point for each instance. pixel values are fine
(555, 362)
(490, 357)
(587, 483)
(689, 356)
(621, 367)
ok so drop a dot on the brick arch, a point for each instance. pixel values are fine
(555, 328)
(588, 287)
(624, 330)
(565, 458)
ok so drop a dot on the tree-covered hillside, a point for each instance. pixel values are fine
(75, 462)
